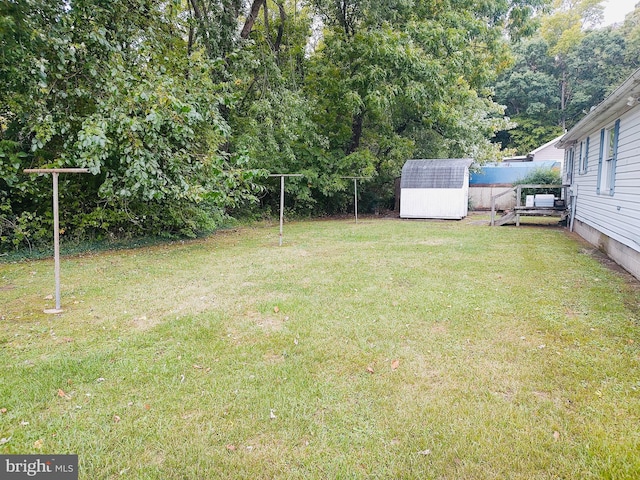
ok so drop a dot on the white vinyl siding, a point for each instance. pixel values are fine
(608, 199)
(444, 203)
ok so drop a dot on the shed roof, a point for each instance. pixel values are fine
(435, 173)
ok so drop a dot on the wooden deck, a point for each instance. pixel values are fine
(513, 216)
(561, 212)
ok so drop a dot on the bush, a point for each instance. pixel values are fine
(540, 176)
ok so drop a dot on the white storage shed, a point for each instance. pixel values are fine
(435, 188)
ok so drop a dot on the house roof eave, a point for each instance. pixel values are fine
(548, 144)
(620, 101)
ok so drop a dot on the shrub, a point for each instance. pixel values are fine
(540, 176)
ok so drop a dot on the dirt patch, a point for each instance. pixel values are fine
(145, 322)
(478, 222)
(542, 395)
(602, 257)
(439, 328)
(273, 358)
(433, 243)
(269, 323)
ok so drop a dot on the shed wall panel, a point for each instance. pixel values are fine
(445, 203)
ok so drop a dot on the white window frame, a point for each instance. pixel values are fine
(609, 138)
(569, 166)
(583, 159)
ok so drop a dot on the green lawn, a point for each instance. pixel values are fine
(386, 349)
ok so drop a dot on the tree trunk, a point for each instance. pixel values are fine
(356, 133)
(251, 18)
(283, 18)
(203, 25)
(191, 35)
(563, 100)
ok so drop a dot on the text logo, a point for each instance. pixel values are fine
(39, 467)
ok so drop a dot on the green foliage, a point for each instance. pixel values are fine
(529, 134)
(564, 29)
(530, 86)
(180, 117)
(409, 80)
(120, 94)
(595, 68)
(150, 139)
(20, 225)
(545, 90)
(631, 32)
(540, 176)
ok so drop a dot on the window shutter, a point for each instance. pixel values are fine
(614, 160)
(585, 161)
(600, 160)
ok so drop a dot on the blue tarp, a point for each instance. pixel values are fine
(508, 172)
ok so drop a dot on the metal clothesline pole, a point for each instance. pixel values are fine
(282, 175)
(355, 197)
(56, 238)
(56, 224)
(355, 193)
(281, 207)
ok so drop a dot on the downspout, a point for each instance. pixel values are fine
(574, 199)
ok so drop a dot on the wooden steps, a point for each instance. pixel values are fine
(508, 217)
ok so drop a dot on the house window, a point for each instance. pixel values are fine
(583, 159)
(569, 163)
(608, 159)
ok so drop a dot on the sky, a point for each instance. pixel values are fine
(615, 10)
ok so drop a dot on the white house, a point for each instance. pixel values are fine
(602, 165)
(435, 188)
(548, 151)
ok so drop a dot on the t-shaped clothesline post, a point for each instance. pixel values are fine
(355, 194)
(56, 223)
(282, 175)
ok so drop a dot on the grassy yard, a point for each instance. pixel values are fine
(387, 349)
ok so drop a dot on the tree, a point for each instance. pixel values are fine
(180, 108)
(118, 88)
(553, 84)
(563, 30)
(529, 89)
(631, 31)
(594, 68)
(398, 79)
